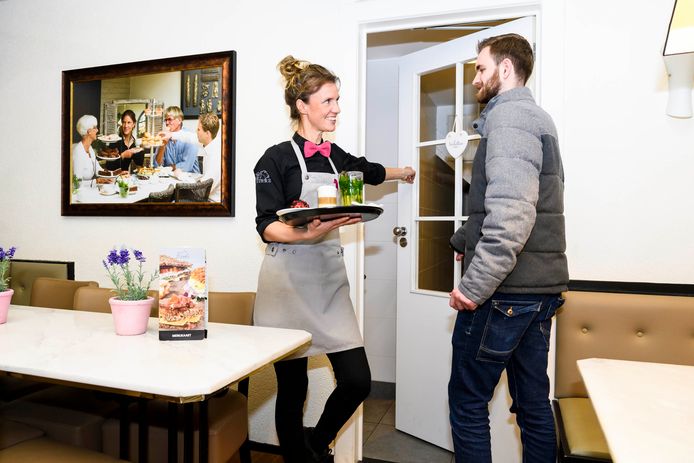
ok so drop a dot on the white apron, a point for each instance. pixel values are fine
(304, 285)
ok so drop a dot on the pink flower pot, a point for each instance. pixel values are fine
(130, 317)
(5, 298)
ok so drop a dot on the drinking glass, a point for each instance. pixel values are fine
(352, 187)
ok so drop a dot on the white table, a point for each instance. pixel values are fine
(646, 410)
(82, 349)
(88, 193)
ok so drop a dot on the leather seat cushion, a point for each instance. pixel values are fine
(228, 428)
(45, 450)
(71, 416)
(12, 433)
(583, 432)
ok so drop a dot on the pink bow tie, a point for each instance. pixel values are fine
(311, 148)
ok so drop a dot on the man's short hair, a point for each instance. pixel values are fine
(514, 47)
(209, 123)
(174, 111)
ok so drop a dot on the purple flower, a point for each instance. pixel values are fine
(138, 256)
(130, 283)
(7, 255)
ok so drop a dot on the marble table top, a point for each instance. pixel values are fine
(646, 410)
(82, 347)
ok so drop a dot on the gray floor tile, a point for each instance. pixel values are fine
(368, 430)
(387, 443)
(374, 409)
(389, 417)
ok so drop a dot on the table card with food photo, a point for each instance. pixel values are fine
(182, 294)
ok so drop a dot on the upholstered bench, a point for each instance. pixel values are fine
(68, 415)
(620, 326)
(19, 443)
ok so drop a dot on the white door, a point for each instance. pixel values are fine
(435, 87)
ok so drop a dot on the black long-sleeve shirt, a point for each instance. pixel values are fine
(278, 176)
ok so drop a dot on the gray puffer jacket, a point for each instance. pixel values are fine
(514, 240)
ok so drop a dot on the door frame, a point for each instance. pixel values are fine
(394, 24)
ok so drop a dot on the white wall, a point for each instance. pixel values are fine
(628, 165)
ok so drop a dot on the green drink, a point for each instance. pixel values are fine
(351, 187)
(345, 189)
(357, 186)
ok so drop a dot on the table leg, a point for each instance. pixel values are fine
(124, 429)
(188, 432)
(173, 432)
(203, 436)
(142, 430)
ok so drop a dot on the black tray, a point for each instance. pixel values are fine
(297, 217)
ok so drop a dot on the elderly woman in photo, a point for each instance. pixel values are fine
(83, 158)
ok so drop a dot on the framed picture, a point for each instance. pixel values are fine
(166, 170)
(201, 92)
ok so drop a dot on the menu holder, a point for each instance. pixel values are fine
(298, 217)
(183, 308)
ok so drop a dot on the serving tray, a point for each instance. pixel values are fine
(297, 217)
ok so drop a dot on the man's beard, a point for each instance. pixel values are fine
(489, 90)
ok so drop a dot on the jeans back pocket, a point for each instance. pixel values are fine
(507, 322)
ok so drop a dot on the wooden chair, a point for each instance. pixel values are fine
(24, 272)
(165, 196)
(196, 192)
(93, 299)
(56, 293)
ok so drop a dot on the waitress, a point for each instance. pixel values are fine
(303, 282)
(127, 148)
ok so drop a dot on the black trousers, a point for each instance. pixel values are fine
(353, 378)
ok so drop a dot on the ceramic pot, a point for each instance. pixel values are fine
(130, 317)
(5, 298)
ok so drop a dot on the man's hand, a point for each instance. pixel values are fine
(458, 301)
(459, 257)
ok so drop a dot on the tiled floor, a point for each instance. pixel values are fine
(384, 443)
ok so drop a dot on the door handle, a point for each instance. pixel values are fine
(399, 231)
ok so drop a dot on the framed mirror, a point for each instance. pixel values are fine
(150, 138)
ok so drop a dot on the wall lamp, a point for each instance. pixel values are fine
(678, 54)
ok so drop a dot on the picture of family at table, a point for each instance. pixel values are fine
(173, 164)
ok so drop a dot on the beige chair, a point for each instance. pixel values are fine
(621, 326)
(24, 272)
(56, 292)
(196, 192)
(93, 299)
(228, 413)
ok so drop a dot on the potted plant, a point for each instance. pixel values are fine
(5, 291)
(131, 305)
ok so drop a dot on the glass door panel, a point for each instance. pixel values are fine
(437, 104)
(468, 156)
(435, 267)
(471, 108)
(436, 176)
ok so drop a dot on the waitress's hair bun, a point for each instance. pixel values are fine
(302, 79)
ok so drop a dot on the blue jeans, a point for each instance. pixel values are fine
(508, 331)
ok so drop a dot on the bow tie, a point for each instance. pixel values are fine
(311, 148)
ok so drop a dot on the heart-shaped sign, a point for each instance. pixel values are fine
(456, 143)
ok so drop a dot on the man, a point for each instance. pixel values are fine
(208, 127)
(180, 147)
(515, 266)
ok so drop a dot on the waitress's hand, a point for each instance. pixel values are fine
(317, 228)
(408, 174)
